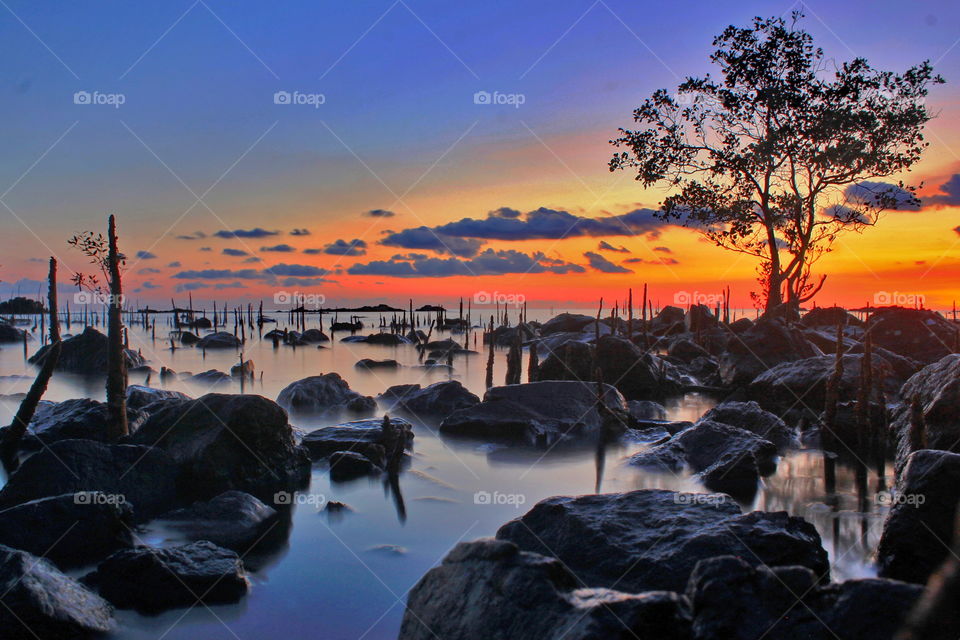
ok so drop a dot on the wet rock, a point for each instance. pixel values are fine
(919, 334)
(85, 354)
(219, 340)
(920, 526)
(700, 318)
(234, 520)
(242, 370)
(361, 436)
(438, 400)
(646, 410)
(210, 378)
(573, 360)
(188, 338)
(506, 336)
(385, 339)
(686, 350)
(222, 442)
(144, 476)
(314, 336)
(937, 387)
(154, 580)
(349, 465)
(9, 333)
(140, 397)
(670, 320)
(764, 345)
(41, 602)
(566, 323)
(70, 530)
(652, 539)
(829, 317)
(324, 395)
(367, 363)
(538, 413)
(78, 418)
(749, 416)
(491, 589)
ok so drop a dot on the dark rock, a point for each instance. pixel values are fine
(146, 477)
(140, 397)
(686, 350)
(669, 321)
(242, 370)
(41, 602)
(314, 336)
(937, 387)
(920, 526)
(919, 334)
(85, 354)
(234, 519)
(652, 539)
(740, 325)
(348, 465)
(571, 360)
(700, 318)
(154, 580)
(367, 363)
(566, 323)
(188, 338)
(491, 589)
(324, 395)
(538, 413)
(506, 336)
(646, 410)
(361, 436)
(9, 333)
(385, 339)
(70, 530)
(749, 416)
(436, 401)
(219, 340)
(223, 442)
(761, 347)
(210, 378)
(829, 317)
(71, 419)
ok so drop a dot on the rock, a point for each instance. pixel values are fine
(211, 377)
(386, 339)
(646, 410)
(234, 520)
(761, 347)
(700, 318)
(242, 370)
(200, 323)
(222, 442)
(686, 350)
(829, 317)
(920, 526)
(41, 602)
(140, 397)
(145, 477)
(651, 539)
(346, 326)
(314, 336)
(85, 354)
(154, 580)
(438, 400)
(349, 465)
(361, 436)
(9, 333)
(868, 608)
(919, 334)
(573, 360)
(324, 395)
(367, 363)
(219, 340)
(566, 322)
(537, 413)
(188, 338)
(670, 320)
(71, 419)
(740, 325)
(937, 387)
(491, 589)
(749, 416)
(70, 530)
(505, 336)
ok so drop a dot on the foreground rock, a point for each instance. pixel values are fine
(145, 477)
(491, 589)
(86, 354)
(154, 580)
(652, 539)
(919, 334)
(222, 442)
(234, 519)
(324, 395)
(78, 418)
(219, 340)
(538, 413)
(937, 388)
(749, 416)
(919, 530)
(140, 397)
(762, 346)
(364, 437)
(384, 339)
(41, 602)
(435, 401)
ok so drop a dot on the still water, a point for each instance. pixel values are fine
(347, 576)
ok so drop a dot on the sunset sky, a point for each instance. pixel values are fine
(168, 114)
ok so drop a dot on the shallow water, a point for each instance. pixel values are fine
(347, 577)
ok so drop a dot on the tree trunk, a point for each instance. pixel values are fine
(18, 428)
(116, 365)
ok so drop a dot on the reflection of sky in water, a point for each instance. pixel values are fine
(335, 578)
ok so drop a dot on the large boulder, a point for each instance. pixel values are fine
(767, 343)
(937, 388)
(365, 437)
(314, 336)
(383, 339)
(85, 354)
(572, 360)
(78, 418)
(829, 317)
(324, 395)
(234, 519)
(652, 539)
(223, 442)
(438, 400)
(219, 340)
(566, 323)
(41, 602)
(920, 334)
(749, 416)
(140, 397)
(145, 477)
(920, 526)
(154, 580)
(9, 333)
(670, 320)
(539, 413)
(491, 589)
(70, 530)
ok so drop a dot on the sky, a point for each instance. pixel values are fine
(254, 150)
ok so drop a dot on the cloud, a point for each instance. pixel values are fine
(147, 271)
(950, 196)
(234, 252)
(430, 239)
(36, 259)
(146, 286)
(600, 263)
(487, 263)
(606, 246)
(196, 235)
(205, 249)
(379, 213)
(219, 274)
(278, 248)
(193, 286)
(252, 259)
(174, 265)
(298, 270)
(300, 232)
(343, 248)
(303, 282)
(956, 230)
(246, 233)
(880, 193)
(668, 261)
(663, 249)
(313, 252)
(145, 255)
